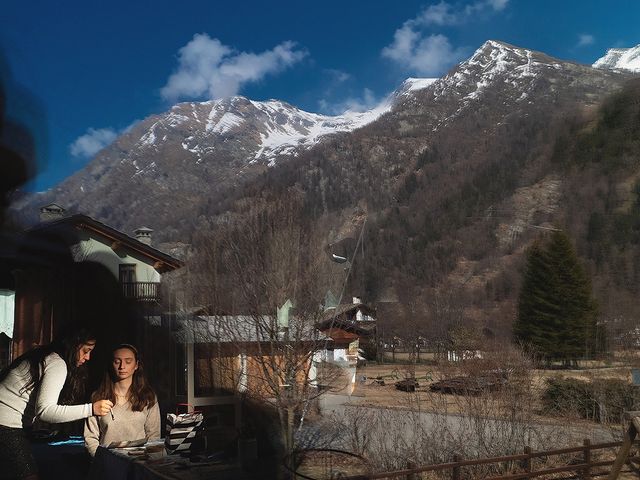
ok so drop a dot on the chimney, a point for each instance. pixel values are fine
(51, 212)
(143, 234)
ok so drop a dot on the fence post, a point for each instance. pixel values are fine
(455, 474)
(586, 475)
(527, 461)
(411, 465)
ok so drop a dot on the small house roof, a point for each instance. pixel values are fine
(339, 335)
(163, 261)
(346, 308)
(343, 317)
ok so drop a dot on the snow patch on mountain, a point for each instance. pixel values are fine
(148, 138)
(226, 123)
(174, 120)
(290, 128)
(413, 84)
(620, 59)
(262, 130)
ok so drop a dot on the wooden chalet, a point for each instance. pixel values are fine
(71, 271)
(347, 325)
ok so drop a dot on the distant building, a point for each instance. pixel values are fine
(227, 356)
(349, 326)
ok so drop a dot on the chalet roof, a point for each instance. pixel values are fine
(163, 261)
(241, 329)
(341, 336)
(340, 317)
(345, 308)
(362, 329)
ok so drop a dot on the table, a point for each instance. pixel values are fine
(62, 458)
(120, 464)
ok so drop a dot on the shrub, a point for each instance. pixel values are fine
(603, 400)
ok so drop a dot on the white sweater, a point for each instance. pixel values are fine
(19, 409)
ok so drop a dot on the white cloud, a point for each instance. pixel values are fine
(337, 76)
(432, 54)
(92, 142)
(209, 69)
(439, 14)
(585, 39)
(445, 13)
(497, 5)
(367, 101)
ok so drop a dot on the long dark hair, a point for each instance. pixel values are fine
(141, 395)
(67, 348)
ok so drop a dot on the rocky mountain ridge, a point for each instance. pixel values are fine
(195, 150)
(172, 167)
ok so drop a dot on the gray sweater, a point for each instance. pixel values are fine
(19, 409)
(125, 425)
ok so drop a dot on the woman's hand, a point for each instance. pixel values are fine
(102, 407)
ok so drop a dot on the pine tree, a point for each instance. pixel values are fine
(556, 311)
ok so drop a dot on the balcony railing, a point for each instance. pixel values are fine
(141, 291)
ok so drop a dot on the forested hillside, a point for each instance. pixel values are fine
(449, 188)
(446, 229)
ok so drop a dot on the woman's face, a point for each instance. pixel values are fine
(124, 363)
(83, 353)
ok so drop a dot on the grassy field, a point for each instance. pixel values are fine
(370, 391)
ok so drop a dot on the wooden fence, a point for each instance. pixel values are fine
(583, 466)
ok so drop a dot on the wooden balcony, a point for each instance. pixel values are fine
(141, 291)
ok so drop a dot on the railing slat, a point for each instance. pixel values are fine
(143, 291)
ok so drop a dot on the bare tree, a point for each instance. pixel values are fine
(261, 280)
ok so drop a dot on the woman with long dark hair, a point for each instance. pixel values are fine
(135, 414)
(31, 389)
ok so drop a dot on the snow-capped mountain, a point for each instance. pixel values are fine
(274, 127)
(197, 147)
(170, 169)
(620, 59)
(503, 80)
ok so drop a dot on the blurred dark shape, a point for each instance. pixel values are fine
(22, 134)
(53, 292)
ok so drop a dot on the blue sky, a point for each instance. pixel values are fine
(79, 73)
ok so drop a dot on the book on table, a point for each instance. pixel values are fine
(128, 443)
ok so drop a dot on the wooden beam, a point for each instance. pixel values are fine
(623, 454)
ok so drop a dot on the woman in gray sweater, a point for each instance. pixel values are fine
(135, 414)
(32, 388)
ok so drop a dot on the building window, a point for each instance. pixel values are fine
(127, 273)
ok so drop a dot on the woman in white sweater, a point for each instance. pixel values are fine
(135, 414)
(32, 387)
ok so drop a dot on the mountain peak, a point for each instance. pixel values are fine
(495, 61)
(494, 53)
(620, 59)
